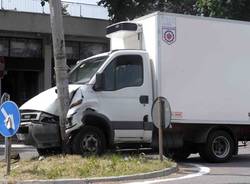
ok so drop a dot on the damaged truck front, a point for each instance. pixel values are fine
(40, 115)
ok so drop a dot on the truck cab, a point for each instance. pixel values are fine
(121, 87)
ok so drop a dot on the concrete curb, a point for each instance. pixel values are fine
(2, 146)
(149, 175)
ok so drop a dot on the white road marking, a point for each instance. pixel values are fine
(202, 170)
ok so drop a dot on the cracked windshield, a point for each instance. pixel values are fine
(83, 72)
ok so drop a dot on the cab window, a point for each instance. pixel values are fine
(124, 71)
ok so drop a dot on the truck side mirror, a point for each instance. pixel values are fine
(99, 82)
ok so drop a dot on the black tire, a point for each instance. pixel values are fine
(218, 148)
(49, 151)
(89, 141)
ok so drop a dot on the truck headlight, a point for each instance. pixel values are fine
(30, 116)
(78, 102)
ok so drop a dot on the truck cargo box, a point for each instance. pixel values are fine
(201, 65)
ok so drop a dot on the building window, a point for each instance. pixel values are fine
(25, 48)
(4, 47)
(90, 49)
(72, 50)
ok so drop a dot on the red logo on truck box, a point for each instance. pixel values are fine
(169, 35)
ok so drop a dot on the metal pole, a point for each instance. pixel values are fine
(7, 140)
(1, 4)
(161, 115)
(60, 64)
(8, 153)
(81, 10)
(1, 87)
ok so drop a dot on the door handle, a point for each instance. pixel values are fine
(143, 99)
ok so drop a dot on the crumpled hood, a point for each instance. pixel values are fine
(47, 101)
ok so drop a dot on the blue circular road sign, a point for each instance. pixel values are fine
(9, 119)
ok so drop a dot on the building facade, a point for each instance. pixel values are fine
(26, 46)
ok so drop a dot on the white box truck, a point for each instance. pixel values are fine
(200, 65)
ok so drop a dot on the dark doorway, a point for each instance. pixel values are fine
(21, 85)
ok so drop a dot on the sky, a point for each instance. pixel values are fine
(90, 11)
(78, 10)
(83, 1)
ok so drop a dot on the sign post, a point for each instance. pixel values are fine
(161, 115)
(161, 126)
(7, 153)
(7, 141)
(9, 124)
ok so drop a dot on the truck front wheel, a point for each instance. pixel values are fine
(49, 151)
(89, 141)
(219, 147)
(180, 155)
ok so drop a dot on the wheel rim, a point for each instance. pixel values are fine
(89, 144)
(221, 147)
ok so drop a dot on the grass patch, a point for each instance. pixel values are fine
(72, 166)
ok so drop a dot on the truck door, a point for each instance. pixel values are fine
(126, 97)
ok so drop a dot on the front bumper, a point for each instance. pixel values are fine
(39, 134)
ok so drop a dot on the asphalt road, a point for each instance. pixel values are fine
(237, 171)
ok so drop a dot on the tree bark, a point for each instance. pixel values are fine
(60, 64)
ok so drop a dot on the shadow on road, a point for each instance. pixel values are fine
(240, 161)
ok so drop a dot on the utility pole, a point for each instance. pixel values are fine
(60, 64)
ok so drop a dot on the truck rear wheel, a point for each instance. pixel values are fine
(219, 147)
(89, 141)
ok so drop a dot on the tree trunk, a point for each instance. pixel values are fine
(60, 64)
